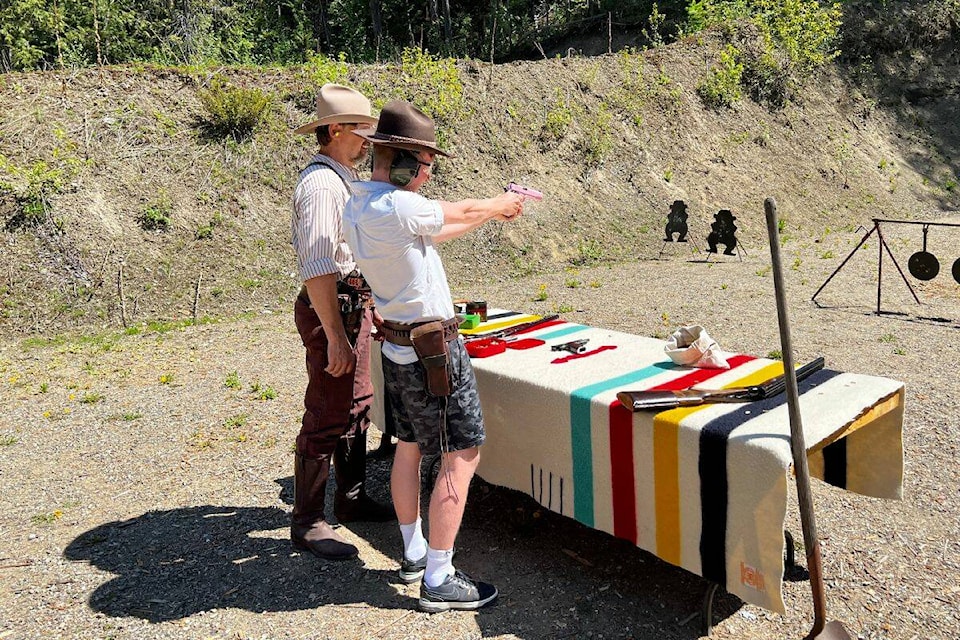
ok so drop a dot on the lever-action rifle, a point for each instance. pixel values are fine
(517, 328)
(640, 400)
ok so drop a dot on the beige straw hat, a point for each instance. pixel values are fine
(339, 104)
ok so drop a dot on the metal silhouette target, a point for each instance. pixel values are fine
(956, 270)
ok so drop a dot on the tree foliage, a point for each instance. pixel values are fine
(51, 33)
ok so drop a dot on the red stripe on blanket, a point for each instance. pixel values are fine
(622, 484)
(699, 375)
(621, 473)
(577, 356)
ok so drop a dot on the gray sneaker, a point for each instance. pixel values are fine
(458, 591)
(412, 570)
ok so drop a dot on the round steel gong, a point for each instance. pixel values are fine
(923, 265)
(956, 270)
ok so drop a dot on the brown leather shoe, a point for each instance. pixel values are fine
(322, 541)
(363, 508)
(308, 529)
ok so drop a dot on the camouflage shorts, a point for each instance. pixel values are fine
(418, 415)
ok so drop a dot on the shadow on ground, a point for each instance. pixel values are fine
(557, 578)
(172, 564)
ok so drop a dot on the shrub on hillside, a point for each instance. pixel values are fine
(234, 111)
(720, 87)
(155, 216)
(31, 188)
(433, 84)
(313, 74)
(783, 41)
(769, 77)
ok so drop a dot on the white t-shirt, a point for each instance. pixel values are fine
(390, 233)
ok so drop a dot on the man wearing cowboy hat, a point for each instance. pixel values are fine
(334, 319)
(431, 390)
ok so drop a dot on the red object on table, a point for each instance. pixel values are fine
(485, 348)
(525, 343)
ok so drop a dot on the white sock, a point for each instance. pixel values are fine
(414, 544)
(439, 566)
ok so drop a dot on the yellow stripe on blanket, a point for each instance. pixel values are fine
(487, 327)
(666, 465)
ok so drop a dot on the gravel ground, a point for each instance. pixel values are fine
(146, 498)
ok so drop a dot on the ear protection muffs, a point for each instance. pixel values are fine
(404, 168)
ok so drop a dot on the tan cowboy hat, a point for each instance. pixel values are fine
(403, 126)
(339, 104)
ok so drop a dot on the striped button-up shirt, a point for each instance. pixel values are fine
(317, 224)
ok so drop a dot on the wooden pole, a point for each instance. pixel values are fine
(493, 36)
(123, 304)
(196, 297)
(96, 34)
(609, 32)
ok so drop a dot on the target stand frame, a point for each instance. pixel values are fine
(883, 246)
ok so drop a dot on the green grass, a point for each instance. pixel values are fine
(233, 381)
(8, 440)
(263, 392)
(46, 518)
(233, 422)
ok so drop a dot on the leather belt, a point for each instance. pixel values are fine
(398, 333)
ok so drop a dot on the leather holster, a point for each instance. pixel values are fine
(428, 341)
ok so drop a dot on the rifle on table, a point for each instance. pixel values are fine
(509, 331)
(641, 400)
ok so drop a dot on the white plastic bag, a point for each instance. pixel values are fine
(692, 346)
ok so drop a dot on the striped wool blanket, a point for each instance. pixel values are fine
(704, 487)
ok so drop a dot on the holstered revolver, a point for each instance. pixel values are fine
(431, 349)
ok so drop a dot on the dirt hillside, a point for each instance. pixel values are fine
(612, 140)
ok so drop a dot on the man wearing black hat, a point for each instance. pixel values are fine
(427, 375)
(334, 322)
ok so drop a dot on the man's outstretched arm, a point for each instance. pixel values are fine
(465, 215)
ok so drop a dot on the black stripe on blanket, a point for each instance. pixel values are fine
(713, 476)
(835, 463)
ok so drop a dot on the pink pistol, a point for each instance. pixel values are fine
(526, 192)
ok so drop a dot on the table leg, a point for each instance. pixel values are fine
(791, 560)
(706, 614)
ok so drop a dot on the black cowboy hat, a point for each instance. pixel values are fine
(403, 126)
